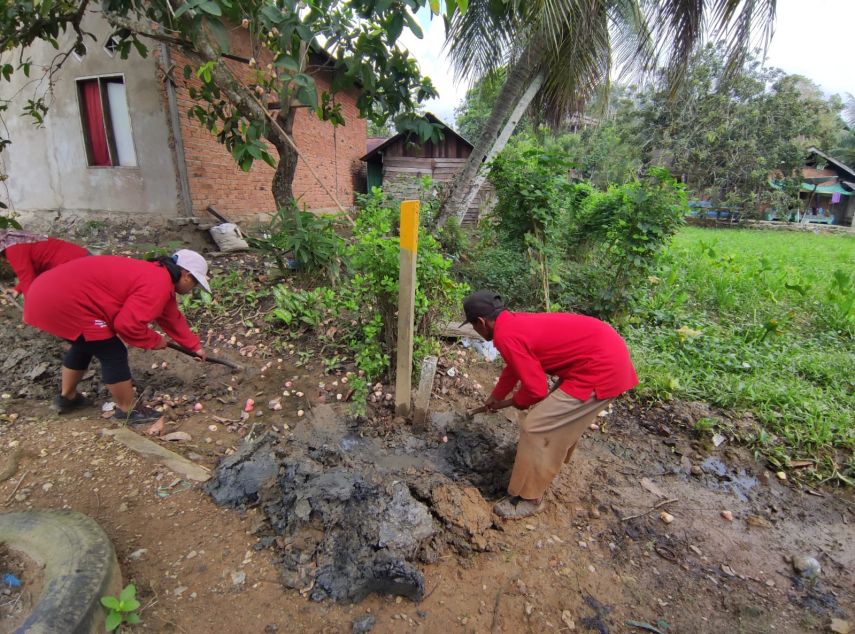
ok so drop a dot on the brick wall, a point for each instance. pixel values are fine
(215, 179)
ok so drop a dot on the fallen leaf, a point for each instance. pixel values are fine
(157, 427)
(840, 626)
(797, 464)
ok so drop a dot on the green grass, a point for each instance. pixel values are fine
(758, 322)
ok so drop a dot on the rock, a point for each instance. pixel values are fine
(238, 479)
(47, 486)
(363, 624)
(137, 554)
(840, 626)
(696, 471)
(727, 515)
(781, 475)
(238, 578)
(727, 570)
(807, 567)
(594, 427)
(271, 628)
(666, 517)
(177, 436)
(567, 619)
(594, 513)
(179, 590)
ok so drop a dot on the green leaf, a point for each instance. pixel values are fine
(307, 96)
(414, 26)
(382, 5)
(246, 164)
(133, 619)
(187, 71)
(434, 6)
(130, 592)
(288, 63)
(184, 8)
(463, 5)
(211, 8)
(396, 25)
(268, 159)
(113, 620)
(110, 602)
(272, 14)
(130, 605)
(221, 34)
(142, 49)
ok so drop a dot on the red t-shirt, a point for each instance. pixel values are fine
(34, 258)
(588, 354)
(106, 295)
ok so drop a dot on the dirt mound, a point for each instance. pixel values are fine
(241, 476)
(346, 535)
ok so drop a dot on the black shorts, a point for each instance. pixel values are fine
(112, 354)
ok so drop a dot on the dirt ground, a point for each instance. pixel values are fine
(600, 559)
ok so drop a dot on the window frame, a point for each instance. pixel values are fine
(103, 80)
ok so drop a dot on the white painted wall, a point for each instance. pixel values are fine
(47, 166)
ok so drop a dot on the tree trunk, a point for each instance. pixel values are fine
(499, 144)
(521, 75)
(283, 179)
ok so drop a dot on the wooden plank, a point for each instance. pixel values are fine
(154, 452)
(424, 392)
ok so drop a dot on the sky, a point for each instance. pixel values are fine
(814, 38)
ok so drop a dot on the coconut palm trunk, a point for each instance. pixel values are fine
(522, 77)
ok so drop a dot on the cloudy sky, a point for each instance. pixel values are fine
(814, 38)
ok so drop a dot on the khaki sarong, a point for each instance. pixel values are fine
(548, 437)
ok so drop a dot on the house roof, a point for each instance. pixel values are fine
(430, 117)
(374, 142)
(838, 164)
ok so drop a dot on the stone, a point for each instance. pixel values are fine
(840, 626)
(807, 567)
(363, 624)
(567, 619)
(727, 515)
(137, 554)
(238, 578)
(666, 517)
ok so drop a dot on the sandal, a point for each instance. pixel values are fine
(515, 507)
(64, 405)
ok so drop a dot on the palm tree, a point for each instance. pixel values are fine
(559, 52)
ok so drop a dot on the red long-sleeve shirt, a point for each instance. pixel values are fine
(34, 258)
(106, 295)
(588, 354)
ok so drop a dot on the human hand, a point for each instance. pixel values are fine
(490, 404)
(161, 345)
(200, 353)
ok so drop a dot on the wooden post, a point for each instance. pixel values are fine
(406, 305)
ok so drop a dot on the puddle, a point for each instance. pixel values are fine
(740, 483)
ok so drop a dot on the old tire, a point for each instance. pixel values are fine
(80, 567)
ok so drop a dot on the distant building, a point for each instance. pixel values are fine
(397, 164)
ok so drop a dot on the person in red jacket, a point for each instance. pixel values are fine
(30, 254)
(99, 302)
(592, 365)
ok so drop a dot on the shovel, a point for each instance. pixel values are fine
(209, 358)
(478, 410)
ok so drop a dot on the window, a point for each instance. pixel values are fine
(111, 45)
(106, 123)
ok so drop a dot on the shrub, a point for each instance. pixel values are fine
(357, 318)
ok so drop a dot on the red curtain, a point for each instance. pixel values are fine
(95, 123)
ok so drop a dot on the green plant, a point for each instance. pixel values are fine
(152, 251)
(122, 609)
(356, 321)
(311, 240)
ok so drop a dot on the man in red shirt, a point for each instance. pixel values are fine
(592, 365)
(30, 255)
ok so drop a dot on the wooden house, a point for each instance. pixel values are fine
(399, 163)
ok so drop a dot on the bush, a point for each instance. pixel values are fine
(357, 318)
(311, 240)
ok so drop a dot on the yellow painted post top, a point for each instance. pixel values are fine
(410, 225)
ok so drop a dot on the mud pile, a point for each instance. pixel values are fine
(350, 515)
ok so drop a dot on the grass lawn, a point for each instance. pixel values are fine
(760, 322)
